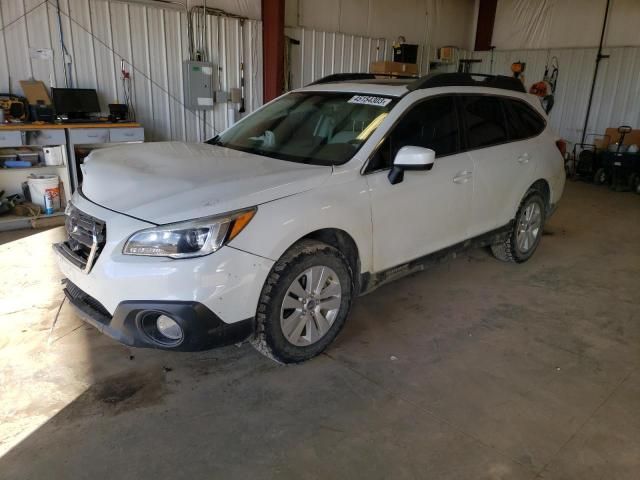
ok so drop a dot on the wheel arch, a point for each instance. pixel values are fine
(541, 185)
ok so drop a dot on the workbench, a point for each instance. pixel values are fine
(77, 140)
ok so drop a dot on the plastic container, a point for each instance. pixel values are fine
(7, 157)
(53, 156)
(45, 191)
(17, 164)
(31, 157)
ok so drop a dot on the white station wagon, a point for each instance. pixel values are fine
(269, 230)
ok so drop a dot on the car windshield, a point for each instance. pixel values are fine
(319, 128)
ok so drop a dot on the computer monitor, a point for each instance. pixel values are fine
(75, 102)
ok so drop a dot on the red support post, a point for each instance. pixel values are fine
(484, 28)
(273, 48)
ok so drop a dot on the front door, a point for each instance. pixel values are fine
(428, 210)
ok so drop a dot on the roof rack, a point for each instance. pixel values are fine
(345, 77)
(467, 80)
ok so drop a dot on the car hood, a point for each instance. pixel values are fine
(167, 182)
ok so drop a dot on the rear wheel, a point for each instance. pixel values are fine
(634, 182)
(304, 303)
(523, 240)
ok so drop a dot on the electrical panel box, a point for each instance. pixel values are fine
(199, 79)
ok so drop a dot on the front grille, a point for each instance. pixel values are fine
(86, 238)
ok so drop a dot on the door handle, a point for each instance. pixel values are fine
(462, 177)
(524, 158)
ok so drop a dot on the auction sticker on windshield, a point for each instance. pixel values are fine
(369, 100)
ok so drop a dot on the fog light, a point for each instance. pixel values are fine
(169, 328)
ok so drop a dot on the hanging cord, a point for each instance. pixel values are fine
(68, 79)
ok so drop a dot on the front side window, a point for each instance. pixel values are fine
(430, 124)
(484, 121)
(318, 128)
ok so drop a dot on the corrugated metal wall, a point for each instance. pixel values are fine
(153, 42)
(323, 53)
(616, 99)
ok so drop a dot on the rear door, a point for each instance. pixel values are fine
(504, 161)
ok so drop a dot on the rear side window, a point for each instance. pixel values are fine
(484, 121)
(522, 120)
(430, 124)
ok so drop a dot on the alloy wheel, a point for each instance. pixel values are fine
(529, 227)
(310, 306)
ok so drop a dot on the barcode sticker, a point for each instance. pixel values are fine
(369, 100)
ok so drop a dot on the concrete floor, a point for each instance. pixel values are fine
(475, 369)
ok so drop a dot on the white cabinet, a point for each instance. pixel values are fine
(126, 134)
(11, 139)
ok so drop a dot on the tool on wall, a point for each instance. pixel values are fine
(125, 76)
(546, 88)
(517, 68)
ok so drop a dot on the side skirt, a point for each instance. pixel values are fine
(371, 281)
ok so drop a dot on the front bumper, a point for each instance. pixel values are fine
(202, 328)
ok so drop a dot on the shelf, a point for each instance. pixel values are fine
(38, 167)
(9, 221)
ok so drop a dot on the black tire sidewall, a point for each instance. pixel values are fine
(600, 177)
(533, 197)
(279, 345)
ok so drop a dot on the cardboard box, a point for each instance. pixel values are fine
(394, 68)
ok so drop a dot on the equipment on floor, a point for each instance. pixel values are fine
(620, 167)
(75, 103)
(588, 158)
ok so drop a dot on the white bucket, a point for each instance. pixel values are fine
(41, 186)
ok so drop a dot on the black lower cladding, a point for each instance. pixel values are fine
(202, 328)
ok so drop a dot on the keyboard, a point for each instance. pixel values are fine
(84, 120)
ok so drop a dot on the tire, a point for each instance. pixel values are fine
(634, 182)
(512, 248)
(294, 271)
(600, 177)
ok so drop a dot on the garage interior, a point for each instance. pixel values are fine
(472, 369)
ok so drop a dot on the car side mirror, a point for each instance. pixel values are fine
(411, 158)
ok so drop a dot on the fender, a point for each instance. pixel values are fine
(340, 203)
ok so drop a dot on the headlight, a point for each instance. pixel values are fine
(193, 238)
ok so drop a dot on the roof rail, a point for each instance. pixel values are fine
(345, 77)
(467, 79)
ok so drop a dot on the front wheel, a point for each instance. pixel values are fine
(600, 177)
(523, 240)
(304, 303)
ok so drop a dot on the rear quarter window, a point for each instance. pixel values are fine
(522, 120)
